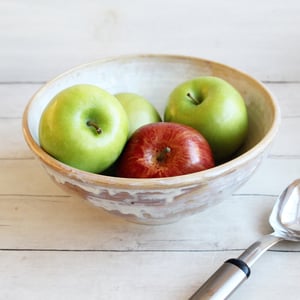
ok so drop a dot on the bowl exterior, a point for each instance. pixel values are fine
(159, 204)
(164, 200)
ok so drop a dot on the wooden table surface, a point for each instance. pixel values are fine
(53, 246)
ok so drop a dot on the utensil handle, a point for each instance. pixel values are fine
(224, 281)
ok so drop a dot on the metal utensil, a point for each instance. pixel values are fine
(285, 220)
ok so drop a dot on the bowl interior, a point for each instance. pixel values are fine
(154, 77)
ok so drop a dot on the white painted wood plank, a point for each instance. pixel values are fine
(65, 223)
(288, 97)
(287, 142)
(39, 40)
(14, 98)
(28, 222)
(19, 177)
(13, 145)
(267, 180)
(113, 275)
(272, 176)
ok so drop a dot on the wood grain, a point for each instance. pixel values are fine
(54, 246)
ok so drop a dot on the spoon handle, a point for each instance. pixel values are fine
(257, 249)
(224, 281)
(234, 271)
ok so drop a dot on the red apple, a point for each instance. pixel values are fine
(164, 149)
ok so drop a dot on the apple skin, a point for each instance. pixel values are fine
(163, 150)
(213, 107)
(139, 111)
(65, 134)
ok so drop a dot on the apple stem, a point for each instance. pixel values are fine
(162, 155)
(93, 124)
(194, 100)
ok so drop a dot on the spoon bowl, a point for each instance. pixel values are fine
(285, 216)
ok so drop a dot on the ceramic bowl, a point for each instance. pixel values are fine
(157, 200)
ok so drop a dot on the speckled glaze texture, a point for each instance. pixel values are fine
(158, 200)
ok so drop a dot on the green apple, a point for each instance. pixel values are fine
(85, 127)
(213, 107)
(139, 110)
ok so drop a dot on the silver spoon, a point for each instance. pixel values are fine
(285, 220)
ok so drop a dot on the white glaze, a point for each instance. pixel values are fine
(165, 199)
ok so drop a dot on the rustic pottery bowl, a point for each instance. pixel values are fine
(164, 200)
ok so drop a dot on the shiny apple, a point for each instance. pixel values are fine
(163, 150)
(139, 110)
(85, 127)
(215, 108)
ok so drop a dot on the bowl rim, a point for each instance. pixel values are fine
(150, 183)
